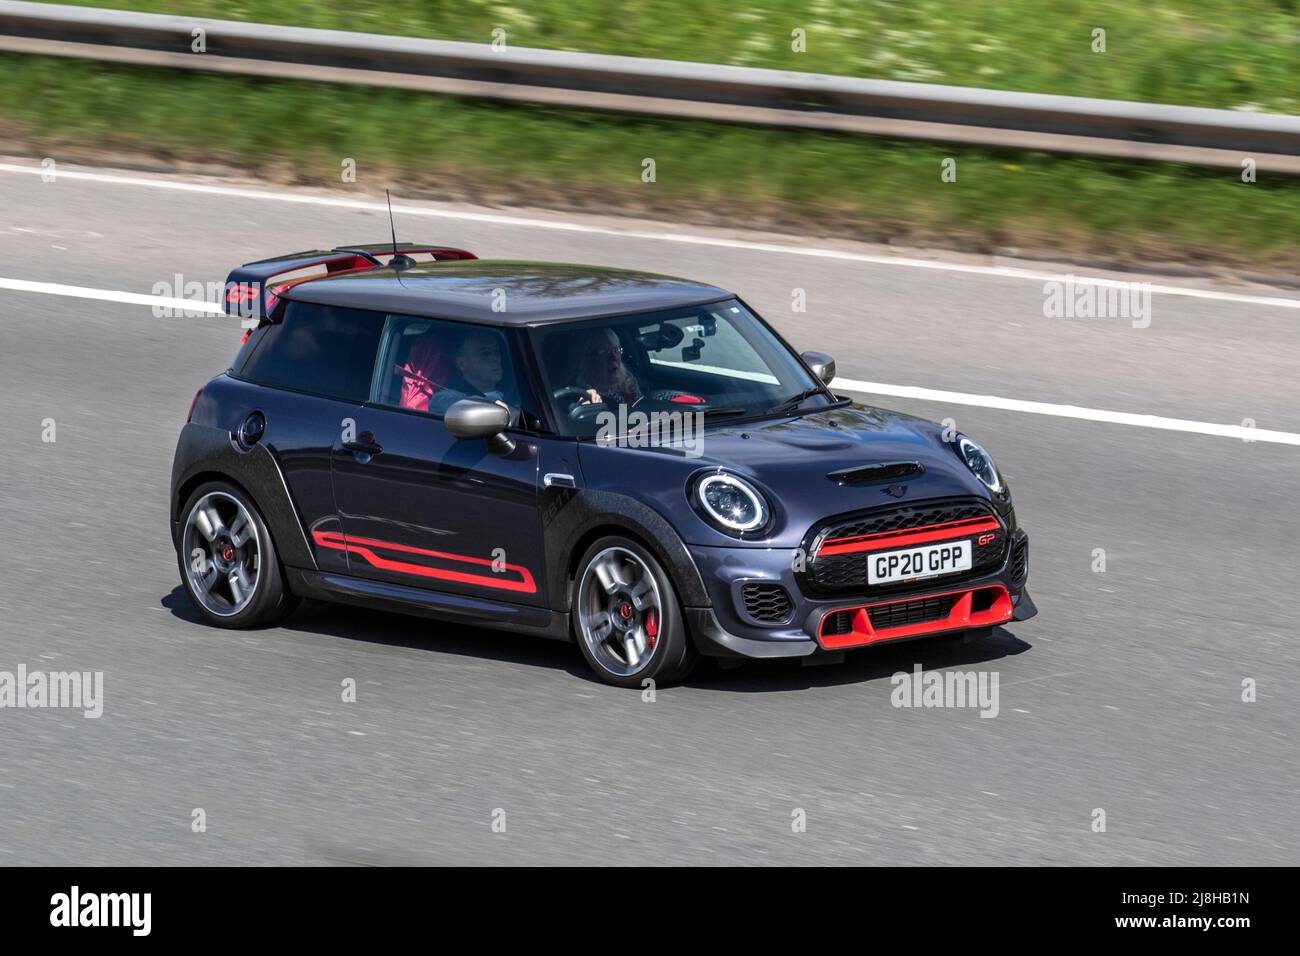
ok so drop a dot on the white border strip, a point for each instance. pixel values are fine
(1005, 272)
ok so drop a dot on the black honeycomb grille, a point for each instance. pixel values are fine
(908, 517)
(768, 603)
(1019, 565)
(843, 573)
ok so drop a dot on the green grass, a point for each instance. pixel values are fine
(1235, 54)
(821, 184)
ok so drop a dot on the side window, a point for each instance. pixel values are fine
(320, 349)
(426, 365)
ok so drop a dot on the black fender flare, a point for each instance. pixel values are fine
(570, 515)
(204, 450)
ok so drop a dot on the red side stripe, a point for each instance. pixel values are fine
(362, 548)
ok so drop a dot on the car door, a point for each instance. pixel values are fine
(420, 508)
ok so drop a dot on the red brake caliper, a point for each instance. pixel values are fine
(651, 627)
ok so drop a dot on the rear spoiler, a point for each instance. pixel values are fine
(253, 290)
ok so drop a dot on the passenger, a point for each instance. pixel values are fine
(424, 372)
(603, 374)
(479, 371)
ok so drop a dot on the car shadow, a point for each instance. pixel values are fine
(859, 666)
(393, 629)
(752, 676)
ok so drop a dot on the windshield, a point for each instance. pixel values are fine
(717, 360)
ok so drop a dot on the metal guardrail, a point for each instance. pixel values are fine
(1062, 124)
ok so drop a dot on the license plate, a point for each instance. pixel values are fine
(927, 561)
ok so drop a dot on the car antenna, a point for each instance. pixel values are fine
(399, 261)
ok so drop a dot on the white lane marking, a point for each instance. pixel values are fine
(843, 384)
(109, 295)
(1005, 272)
(763, 377)
(1068, 411)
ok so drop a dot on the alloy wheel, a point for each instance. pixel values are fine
(222, 554)
(619, 611)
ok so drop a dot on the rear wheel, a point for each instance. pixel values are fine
(228, 562)
(626, 616)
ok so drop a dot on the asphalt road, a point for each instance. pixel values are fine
(1124, 694)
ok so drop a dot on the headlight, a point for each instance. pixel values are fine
(731, 503)
(979, 462)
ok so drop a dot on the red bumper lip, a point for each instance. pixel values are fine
(992, 600)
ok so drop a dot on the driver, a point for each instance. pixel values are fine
(605, 376)
(478, 371)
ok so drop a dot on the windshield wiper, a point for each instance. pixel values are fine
(791, 404)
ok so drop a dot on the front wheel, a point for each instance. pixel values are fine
(228, 561)
(626, 616)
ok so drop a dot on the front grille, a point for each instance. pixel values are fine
(908, 517)
(766, 603)
(919, 611)
(841, 573)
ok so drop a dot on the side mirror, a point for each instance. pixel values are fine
(822, 365)
(472, 418)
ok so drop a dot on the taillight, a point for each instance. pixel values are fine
(190, 415)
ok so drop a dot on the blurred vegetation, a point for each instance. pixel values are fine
(819, 184)
(1235, 54)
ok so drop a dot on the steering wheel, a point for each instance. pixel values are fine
(579, 409)
(568, 395)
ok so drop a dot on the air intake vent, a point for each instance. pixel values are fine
(1020, 559)
(871, 474)
(767, 603)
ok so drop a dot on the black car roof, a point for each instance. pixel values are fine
(534, 292)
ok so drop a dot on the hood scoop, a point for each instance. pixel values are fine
(872, 474)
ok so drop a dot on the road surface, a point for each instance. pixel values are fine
(1124, 694)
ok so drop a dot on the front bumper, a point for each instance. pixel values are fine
(816, 624)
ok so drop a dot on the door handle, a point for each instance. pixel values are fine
(364, 445)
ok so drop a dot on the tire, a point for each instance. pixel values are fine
(232, 575)
(607, 590)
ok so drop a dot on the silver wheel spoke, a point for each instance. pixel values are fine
(236, 587)
(208, 522)
(209, 577)
(607, 574)
(600, 625)
(240, 530)
(630, 651)
(642, 594)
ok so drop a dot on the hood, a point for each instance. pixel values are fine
(790, 460)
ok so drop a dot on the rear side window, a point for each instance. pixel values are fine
(319, 349)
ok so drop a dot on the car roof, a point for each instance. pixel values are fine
(534, 292)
